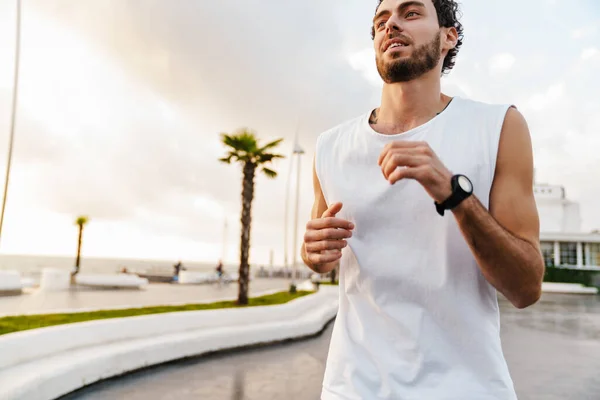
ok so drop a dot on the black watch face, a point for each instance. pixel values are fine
(465, 184)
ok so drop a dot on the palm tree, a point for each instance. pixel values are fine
(243, 148)
(80, 222)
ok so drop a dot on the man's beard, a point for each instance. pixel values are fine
(423, 60)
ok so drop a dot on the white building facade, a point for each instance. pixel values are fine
(562, 240)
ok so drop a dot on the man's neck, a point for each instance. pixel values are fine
(407, 105)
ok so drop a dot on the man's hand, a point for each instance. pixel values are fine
(416, 160)
(325, 238)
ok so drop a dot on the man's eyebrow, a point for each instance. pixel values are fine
(401, 8)
(381, 14)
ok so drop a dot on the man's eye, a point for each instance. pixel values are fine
(410, 14)
(381, 24)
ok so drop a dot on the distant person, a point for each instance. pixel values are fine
(426, 203)
(177, 268)
(219, 269)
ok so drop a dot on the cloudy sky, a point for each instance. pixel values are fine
(122, 102)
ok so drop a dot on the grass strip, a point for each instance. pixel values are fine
(26, 322)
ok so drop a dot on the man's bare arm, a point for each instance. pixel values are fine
(505, 240)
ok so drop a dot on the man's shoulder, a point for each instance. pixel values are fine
(484, 112)
(343, 127)
(477, 104)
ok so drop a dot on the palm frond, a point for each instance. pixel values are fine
(243, 140)
(268, 146)
(264, 158)
(81, 220)
(269, 173)
(230, 156)
(243, 147)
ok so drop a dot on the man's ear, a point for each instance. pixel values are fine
(449, 38)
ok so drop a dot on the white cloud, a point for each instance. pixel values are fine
(589, 53)
(501, 63)
(584, 32)
(364, 62)
(541, 101)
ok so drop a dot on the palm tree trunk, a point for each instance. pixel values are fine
(247, 197)
(78, 259)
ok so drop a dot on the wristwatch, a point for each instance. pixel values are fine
(462, 188)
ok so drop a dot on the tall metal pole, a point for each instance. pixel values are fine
(287, 201)
(298, 151)
(14, 112)
(224, 249)
(285, 217)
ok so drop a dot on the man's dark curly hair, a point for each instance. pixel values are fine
(448, 14)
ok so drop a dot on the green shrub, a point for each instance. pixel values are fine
(564, 275)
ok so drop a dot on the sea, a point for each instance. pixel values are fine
(31, 266)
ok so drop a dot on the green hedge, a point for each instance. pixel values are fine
(564, 275)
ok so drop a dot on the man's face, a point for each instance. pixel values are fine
(407, 39)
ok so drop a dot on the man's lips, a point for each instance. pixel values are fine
(395, 43)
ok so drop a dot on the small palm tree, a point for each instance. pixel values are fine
(243, 148)
(81, 221)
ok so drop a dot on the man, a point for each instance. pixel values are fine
(426, 203)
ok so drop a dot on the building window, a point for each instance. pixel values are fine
(548, 253)
(591, 254)
(568, 253)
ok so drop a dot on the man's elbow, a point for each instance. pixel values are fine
(527, 298)
(532, 293)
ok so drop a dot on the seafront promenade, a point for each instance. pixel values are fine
(552, 349)
(34, 301)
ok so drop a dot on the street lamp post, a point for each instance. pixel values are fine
(285, 216)
(298, 151)
(287, 200)
(13, 113)
(224, 247)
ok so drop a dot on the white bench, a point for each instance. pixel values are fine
(10, 282)
(125, 281)
(47, 363)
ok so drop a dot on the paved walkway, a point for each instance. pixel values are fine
(37, 301)
(552, 350)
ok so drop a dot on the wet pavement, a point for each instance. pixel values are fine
(84, 299)
(552, 348)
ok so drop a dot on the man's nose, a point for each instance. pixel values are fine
(393, 25)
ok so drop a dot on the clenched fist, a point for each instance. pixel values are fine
(325, 238)
(416, 160)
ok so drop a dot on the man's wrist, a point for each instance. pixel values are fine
(462, 210)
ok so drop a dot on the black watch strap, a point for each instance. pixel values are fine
(457, 196)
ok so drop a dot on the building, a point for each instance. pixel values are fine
(563, 242)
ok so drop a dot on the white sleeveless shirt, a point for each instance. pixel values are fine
(417, 320)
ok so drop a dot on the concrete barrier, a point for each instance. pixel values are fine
(121, 281)
(195, 277)
(10, 282)
(55, 280)
(47, 363)
(568, 288)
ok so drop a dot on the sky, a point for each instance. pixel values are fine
(121, 103)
